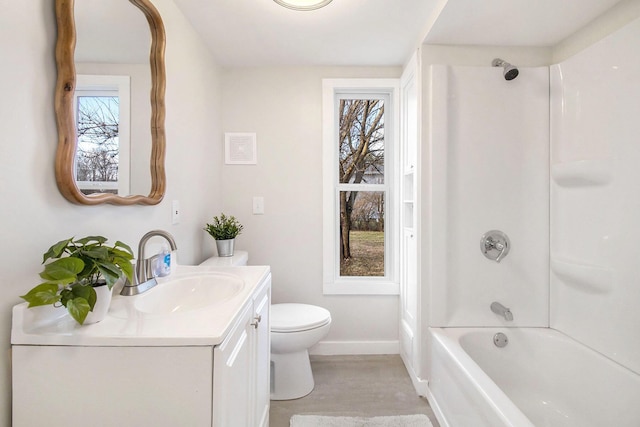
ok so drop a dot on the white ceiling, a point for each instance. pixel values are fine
(513, 22)
(377, 32)
(346, 32)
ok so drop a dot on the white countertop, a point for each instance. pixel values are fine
(127, 326)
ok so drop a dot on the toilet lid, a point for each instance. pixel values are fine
(297, 317)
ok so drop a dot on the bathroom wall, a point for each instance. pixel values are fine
(35, 215)
(594, 196)
(434, 196)
(284, 107)
(489, 171)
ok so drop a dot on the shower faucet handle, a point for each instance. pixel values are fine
(495, 245)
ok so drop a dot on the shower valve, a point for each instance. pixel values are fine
(495, 245)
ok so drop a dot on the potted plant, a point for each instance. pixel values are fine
(224, 230)
(75, 270)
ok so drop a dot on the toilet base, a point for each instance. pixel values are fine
(291, 376)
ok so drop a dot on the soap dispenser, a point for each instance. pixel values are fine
(163, 266)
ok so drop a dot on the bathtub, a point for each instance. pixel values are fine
(540, 378)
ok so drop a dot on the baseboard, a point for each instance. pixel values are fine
(420, 385)
(330, 348)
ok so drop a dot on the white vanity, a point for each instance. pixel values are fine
(193, 351)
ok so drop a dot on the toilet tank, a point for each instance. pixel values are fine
(237, 259)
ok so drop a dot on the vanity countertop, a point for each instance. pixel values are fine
(125, 325)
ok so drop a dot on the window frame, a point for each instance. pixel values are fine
(332, 90)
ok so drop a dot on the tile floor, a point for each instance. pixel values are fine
(357, 386)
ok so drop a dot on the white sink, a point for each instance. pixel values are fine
(188, 293)
(194, 306)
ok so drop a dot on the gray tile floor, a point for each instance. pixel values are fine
(355, 386)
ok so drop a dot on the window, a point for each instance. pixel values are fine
(360, 244)
(101, 106)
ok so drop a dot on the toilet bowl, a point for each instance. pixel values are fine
(294, 329)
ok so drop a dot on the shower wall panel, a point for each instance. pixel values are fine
(595, 196)
(489, 171)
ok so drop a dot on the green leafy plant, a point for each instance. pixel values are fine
(74, 268)
(224, 227)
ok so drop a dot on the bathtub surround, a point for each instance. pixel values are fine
(492, 136)
(391, 421)
(594, 197)
(567, 198)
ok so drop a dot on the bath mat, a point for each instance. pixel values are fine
(394, 421)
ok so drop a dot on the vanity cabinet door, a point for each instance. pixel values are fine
(232, 375)
(262, 354)
(241, 366)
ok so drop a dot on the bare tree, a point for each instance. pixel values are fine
(368, 211)
(361, 147)
(98, 147)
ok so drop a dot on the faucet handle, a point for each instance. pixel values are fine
(495, 245)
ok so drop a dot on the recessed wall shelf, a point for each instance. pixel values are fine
(589, 278)
(582, 173)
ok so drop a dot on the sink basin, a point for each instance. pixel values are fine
(189, 293)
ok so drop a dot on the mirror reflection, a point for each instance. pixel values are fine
(111, 103)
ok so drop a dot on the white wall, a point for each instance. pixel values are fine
(34, 214)
(454, 56)
(489, 171)
(284, 107)
(595, 205)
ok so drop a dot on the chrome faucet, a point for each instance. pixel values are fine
(501, 310)
(144, 277)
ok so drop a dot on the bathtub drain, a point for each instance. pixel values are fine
(500, 340)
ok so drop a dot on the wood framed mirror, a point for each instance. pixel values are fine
(69, 176)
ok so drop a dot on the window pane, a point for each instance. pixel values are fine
(361, 233)
(361, 141)
(98, 146)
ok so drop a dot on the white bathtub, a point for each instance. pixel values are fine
(541, 378)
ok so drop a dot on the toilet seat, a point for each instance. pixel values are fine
(291, 317)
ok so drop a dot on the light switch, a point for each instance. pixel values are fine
(258, 205)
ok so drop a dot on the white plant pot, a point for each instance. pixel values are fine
(225, 247)
(100, 309)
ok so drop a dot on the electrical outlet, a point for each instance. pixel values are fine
(258, 205)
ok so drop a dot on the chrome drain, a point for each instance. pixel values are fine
(500, 340)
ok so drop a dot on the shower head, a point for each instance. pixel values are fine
(510, 71)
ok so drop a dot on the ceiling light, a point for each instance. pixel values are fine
(303, 4)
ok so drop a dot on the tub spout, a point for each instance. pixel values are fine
(501, 310)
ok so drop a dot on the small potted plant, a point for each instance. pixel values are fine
(224, 230)
(80, 275)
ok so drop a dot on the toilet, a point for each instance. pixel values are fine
(294, 329)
